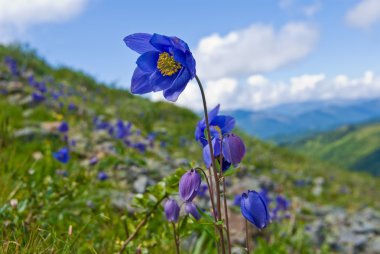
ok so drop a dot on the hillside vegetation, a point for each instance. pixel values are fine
(126, 154)
(354, 147)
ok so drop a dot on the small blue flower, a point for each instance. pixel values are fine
(254, 209)
(37, 97)
(93, 161)
(171, 209)
(190, 208)
(219, 125)
(237, 200)
(62, 155)
(166, 64)
(189, 185)
(216, 142)
(102, 176)
(63, 127)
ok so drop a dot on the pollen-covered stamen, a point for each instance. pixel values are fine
(167, 65)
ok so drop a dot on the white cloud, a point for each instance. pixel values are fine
(16, 16)
(258, 48)
(258, 92)
(364, 14)
(312, 9)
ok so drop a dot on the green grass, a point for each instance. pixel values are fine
(354, 147)
(48, 204)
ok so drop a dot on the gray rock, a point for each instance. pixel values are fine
(141, 183)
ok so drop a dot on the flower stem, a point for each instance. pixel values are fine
(246, 236)
(140, 225)
(224, 195)
(210, 189)
(176, 239)
(217, 184)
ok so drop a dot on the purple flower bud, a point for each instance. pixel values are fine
(189, 185)
(233, 149)
(171, 210)
(190, 208)
(254, 209)
(93, 161)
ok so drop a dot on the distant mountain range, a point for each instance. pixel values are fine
(288, 122)
(354, 147)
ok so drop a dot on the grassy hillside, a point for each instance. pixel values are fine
(354, 147)
(86, 207)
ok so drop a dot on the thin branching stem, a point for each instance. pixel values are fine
(217, 185)
(141, 224)
(176, 239)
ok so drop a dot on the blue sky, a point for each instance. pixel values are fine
(311, 45)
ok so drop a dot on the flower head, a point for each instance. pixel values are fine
(62, 155)
(166, 64)
(171, 209)
(233, 149)
(189, 185)
(219, 125)
(254, 209)
(102, 176)
(63, 127)
(190, 208)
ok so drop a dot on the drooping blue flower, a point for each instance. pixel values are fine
(190, 208)
(63, 127)
(165, 64)
(216, 142)
(233, 149)
(171, 209)
(62, 155)
(265, 195)
(102, 176)
(189, 185)
(219, 125)
(254, 209)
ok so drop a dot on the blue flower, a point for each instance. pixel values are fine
(219, 125)
(102, 176)
(216, 143)
(171, 209)
(166, 64)
(254, 209)
(63, 127)
(37, 97)
(62, 155)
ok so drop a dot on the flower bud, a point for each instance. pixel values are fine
(254, 209)
(189, 185)
(233, 149)
(171, 209)
(190, 208)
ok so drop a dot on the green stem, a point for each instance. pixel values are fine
(176, 240)
(217, 185)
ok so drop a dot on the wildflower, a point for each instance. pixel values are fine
(93, 161)
(233, 149)
(102, 176)
(71, 106)
(190, 208)
(63, 127)
(216, 142)
(254, 209)
(12, 65)
(62, 155)
(166, 64)
(171, 209)
(237, 200)
(219, 125)
(37, 97)
(189, 185)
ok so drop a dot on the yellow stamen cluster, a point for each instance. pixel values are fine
(167, 65)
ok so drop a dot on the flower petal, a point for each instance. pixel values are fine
(139, 42)
(190, 208)
(161, 42)
(225, 123)
(159, 82)
(140, 82)
(148, 61)
(178, 85)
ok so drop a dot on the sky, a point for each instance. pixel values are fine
(250, 54)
